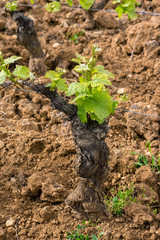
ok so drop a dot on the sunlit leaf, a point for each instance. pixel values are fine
(86, 4)
(132, 15)
(101, 69)
(81, 68)
(61, 85)
(53, 6)
(94, 237)
(82, 95)
(11, 6)
(101, 78)
(72, 89)
(53, 75)
(11, 60)
(100, 104)
(21, 72)
(82, 114)
(70, 2)
(2, 76)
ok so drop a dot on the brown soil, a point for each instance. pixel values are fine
(36, 144)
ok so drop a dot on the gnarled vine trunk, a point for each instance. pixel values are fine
(91, 163)
(27, 37)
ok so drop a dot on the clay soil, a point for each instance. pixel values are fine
(36, 144)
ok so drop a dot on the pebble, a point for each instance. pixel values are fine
(121, 91)
(55, 45)
(10, 222)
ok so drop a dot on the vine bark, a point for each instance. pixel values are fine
(91, 164)
(27, 37)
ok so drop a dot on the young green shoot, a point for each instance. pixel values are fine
(20, 72)
(126, 7)
(13, 5)
(90, 93)
(118, 201)
(75, 37)
(143, 159)
(79, 235)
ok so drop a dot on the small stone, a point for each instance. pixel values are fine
(121, 91)
(10, 222)
(55, 45)
(1, 144)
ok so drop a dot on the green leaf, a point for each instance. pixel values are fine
(61, 85)
(70, 2)
(53, 75)
(86, 4)
(82, 114)
(32, 1)
(94, 237)
(81, 95)
(95, 118)
(53, 6)
(11, 60)
(11, 6)
(61, 71)
(134, 1)
(77, 87)
(119, 10)
(100, 104)
(82, 88)
(127, 4)
(87, 237)
(132, 15)
(76, 60)
(127, 7)
(114, 105)
(57, 81)
(2, 76)
(116, 1)
(72, 89)
(101, 234)
(21, 72)
(96, 48)
(81, 68)
(100, 78)
(49, 85)
(100, 69)
(82, 79)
